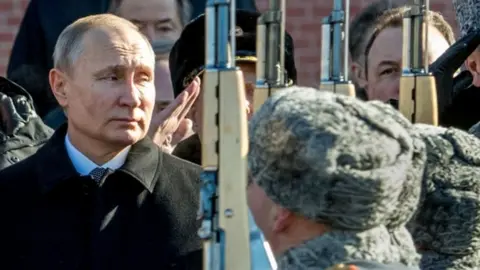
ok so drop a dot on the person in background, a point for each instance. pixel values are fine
(100, 194)
(333, 180)
(22, 131)
(187, 63)
(463, 113)
(360, 29)
(164, 98)
(156, 19)
(383, 52)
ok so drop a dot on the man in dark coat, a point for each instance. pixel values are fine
(100, 194)
(43, 21)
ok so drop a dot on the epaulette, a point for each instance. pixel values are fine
(342, 266)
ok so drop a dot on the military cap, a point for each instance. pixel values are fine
(343, 162)
(187, 58)
(467, 15)
(446, 228)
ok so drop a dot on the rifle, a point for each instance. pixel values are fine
(334, 58)
(418, 93)
(225, 228)
(270, 53)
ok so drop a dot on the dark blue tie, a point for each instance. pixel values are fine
(98, 173)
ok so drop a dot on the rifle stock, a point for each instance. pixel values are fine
(270, 67)
(418, 93)
(225, 225)
(334, 54)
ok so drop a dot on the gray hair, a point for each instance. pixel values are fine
(69, 44)
(185, 9)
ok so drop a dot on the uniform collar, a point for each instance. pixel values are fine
(142, 162)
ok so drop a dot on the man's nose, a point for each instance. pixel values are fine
(132, 96)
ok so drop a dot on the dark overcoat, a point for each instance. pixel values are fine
(141, 216)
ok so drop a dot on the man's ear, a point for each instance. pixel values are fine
(282, 218)
(473, 65)
(58, 81)
(358, 74)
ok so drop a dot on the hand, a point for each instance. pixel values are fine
(445, 67)
(169, 127)
(15, 112)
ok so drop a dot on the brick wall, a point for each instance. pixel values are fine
(303, 23)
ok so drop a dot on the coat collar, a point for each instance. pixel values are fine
(54, 166)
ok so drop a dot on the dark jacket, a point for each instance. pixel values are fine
(190, 149)
(142, 216)
(26, 132)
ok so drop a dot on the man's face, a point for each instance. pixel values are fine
(156, 19)
(248, 70)
(111, 93)
(385, 62)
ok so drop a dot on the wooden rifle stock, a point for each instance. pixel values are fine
(270, 53)
(334, 54)
(225, 225)
(418, 93)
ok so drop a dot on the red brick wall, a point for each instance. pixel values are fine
(303, 23)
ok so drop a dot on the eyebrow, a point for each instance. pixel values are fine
(164, 20)
(118, 69)
(110, 69)
(388, 63)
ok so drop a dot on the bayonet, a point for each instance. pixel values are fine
(270, 53)
(334, 54)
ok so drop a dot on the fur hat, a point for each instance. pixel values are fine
(343, 162)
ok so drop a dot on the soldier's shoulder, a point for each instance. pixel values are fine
(368, 265)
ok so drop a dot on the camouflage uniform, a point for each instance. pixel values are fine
(342, 162)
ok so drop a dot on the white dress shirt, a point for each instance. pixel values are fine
(84, 165)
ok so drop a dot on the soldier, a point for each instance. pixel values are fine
(383, 52)
(361, 27)
(468, 20)
(187, 60)
(446, 228)
(333, 180)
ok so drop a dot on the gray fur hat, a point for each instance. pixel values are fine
(446, 228)
(343, 162)
(467, 15)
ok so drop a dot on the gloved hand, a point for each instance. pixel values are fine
(15, 112)
(445, 67)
